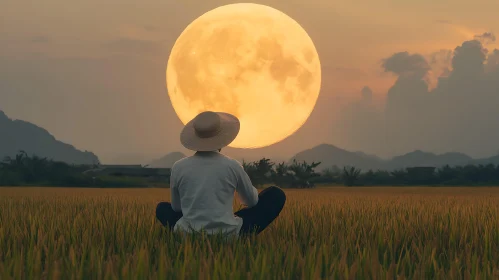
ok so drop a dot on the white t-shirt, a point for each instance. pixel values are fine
(202, 187)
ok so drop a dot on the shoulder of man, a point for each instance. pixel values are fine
(229, 159)
(179, 163)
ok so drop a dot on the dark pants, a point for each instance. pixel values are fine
(255, 219)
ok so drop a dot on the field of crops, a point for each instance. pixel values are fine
(330, 233)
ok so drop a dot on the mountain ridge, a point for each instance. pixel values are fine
(330, 155)
(167, 161)
(20, 135)
(23, 135)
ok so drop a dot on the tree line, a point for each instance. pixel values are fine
(303, 175)
(25, 170)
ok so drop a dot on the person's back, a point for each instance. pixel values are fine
(205, 184)
(202, 186)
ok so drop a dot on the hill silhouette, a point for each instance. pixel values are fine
(167, 161)
(490, 160)
(420, 158)
(330, 155)
(16, 135)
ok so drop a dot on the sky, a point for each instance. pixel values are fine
(396, 75)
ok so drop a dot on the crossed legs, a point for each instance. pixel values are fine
(255, 219)
(166, 215)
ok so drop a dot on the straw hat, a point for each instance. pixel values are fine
(210, 131)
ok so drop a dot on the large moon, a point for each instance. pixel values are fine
(249, 60)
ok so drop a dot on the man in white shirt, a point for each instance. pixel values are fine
(202, 186)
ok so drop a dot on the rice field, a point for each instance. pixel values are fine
(324, 233)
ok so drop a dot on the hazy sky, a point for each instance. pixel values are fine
(93, 73)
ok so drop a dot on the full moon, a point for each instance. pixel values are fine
(249, 60)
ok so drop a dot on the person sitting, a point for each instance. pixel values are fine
(203, 185)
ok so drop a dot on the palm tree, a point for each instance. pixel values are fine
(350, 176)
(303, 173)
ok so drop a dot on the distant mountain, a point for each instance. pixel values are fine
(420, 158)
(369, 156)
(330, 155)
(16, 135)
(491, 160)
(167, 161)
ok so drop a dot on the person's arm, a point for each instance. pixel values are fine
(175, 195)
(247, 192)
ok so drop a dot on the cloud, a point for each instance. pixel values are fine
(360, 122)
(493, 61)
(468, 60)
(441, 57)
(458, 114)
(367, 94)
(486, 38)
(405, 64)
(441, 64)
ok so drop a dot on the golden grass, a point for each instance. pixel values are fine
(330, 233)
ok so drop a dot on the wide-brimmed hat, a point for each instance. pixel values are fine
(210, 131)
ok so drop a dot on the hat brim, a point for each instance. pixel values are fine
(229, 129)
